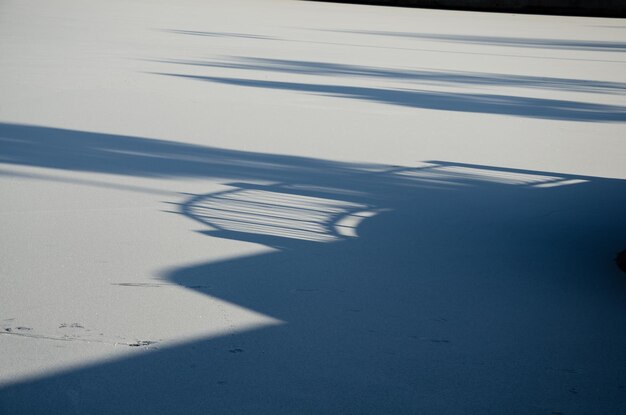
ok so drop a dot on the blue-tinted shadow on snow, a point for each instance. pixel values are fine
(334, 42)
(84, 151)
(219, 34)
(420, 77)
(541, 108)
(434, 288)
(562, 44)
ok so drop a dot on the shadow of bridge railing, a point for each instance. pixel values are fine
(472, 288)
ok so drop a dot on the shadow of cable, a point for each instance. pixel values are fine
(334, 42)
(541, 108)
(423, 77)
(518, 42)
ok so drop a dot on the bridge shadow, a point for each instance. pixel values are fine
(435, 288)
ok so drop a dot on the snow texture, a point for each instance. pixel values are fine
(280, 207)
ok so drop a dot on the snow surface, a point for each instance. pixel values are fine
(295, 207)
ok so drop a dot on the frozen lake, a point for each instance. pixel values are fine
(280, 206)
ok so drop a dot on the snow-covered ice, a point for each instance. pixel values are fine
(277, 206)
